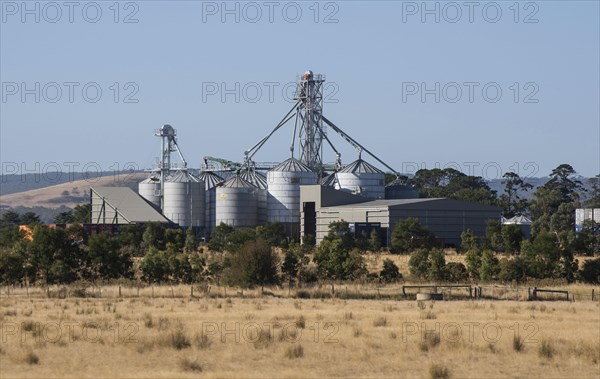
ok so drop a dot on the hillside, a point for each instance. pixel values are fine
(67, 194)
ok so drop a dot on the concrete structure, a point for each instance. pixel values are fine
(582, 214)
(121, 205)
(445, 218)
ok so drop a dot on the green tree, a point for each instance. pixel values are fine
(437, 265)
(456, 272)
(418, 263)
(11, 266)
(542, 256)
(218, 238)
(10, 234)
(153, 236)
(473, 260)
(64, 218)
(512, 204)
(82, 214)
(54, 257)
(273, 234)
(493, 235)
(490, 266)
(340, 230)
(338, 262)
(408, 235)
(10, 218)
(374, 241)
(468, 241)
(590, 272)
(254, 264)
(290, 266)
(155, 266)
(173, 238)
(390, 272)
(593, 201)
(190, 240)
(512, 269)
(29, 218)
(512, 235)
(105, 258)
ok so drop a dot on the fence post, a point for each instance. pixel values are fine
(191, 290)
(592, 294)
(119, 290)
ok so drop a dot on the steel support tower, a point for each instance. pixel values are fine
(309, 120)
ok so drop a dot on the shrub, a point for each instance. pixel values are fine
(390, 272)
(437, 371)
(590, 272)
(518, 343)
(546, 350)
(295, 351)
(380, 321)
(188, 364)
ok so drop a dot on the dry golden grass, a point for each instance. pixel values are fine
(285, 337)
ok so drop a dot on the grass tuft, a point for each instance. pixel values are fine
(518, 343)
(189, 364)
(438, 371)
(294, 352)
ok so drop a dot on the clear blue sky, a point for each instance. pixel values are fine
(371, 56)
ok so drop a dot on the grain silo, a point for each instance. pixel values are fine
(283, 197)
(398, 189)
(149, 189)
(237, 203)
(211, 180)
(184, 199)
(260, 182)
(362, 178)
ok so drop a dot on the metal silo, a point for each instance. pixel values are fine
(237, 203)
(211, 180)
(329, 181)
(149, 189)
(399, 190)
(362, 178)
(183, 200)
(283, 198)
(260, 182)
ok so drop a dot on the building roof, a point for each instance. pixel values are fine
(237, 182)
(129, 204)
(440, 202)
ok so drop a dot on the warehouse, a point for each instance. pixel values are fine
(445, 218)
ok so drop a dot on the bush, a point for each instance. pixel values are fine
(295, 351)
(437, 371)
(456, 272)
(254, 264)
(590, 273)
(390, 272)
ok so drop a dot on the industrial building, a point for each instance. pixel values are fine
(303, 193)
(583, 214)
(445, 218)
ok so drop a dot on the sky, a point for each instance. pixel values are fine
(483, 87)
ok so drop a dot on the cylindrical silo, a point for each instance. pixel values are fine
(399, 190)
(237, 203)
(211, 180)
(183, 200)
(362, 178)
(283, 198)
(149, 189)
(260, 182)
(329, 181)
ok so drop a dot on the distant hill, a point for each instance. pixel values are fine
(49, 200)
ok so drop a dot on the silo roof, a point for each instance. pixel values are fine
(255, 178)
(210, 178)
(237, 182)
(181, 176)
(292, 165)
(151, 179)
(360, 167)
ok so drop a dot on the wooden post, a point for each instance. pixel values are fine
(119, 290)
(152, 291)
(172, 292)
(592, 294)
(192, 290)
(138, 290)
(7, 291)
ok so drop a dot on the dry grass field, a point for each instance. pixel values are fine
(251, 336)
